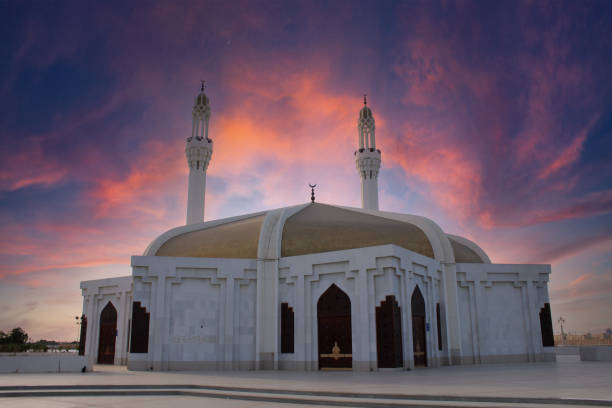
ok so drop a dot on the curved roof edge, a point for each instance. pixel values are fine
(160, 240)
(271, 234)
(473, 246)
(442, 248)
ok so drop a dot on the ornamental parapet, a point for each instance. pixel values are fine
(198, 152)
(368, 162)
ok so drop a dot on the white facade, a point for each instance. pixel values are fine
(97, 294)
(42, 363)
(202, 313)
(205, 313)
(316, 286)
(498, 310)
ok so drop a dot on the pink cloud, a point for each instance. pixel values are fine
(18, 170)
(486, 152)
(46, 179)
(586, 286)
(458, 151)
(111, 197)
(568, 249)
(454, 180)
(571, 153)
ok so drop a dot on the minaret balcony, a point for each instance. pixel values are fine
(368, 162)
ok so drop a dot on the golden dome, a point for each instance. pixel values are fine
(464, 254)
(237, 239)
(313, 228)
(325, 228)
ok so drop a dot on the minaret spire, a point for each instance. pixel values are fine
(198, 151)
(368, 157)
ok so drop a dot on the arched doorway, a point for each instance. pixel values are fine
(389, 334)
(334, 326)
(419, 344)
(108, 334)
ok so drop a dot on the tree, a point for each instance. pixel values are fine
(18, 336)
(4, 338)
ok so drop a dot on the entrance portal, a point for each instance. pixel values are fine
(334, 326)
(389, 334)
(108, 334)
(419, 345)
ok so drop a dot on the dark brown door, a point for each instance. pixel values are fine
(108, 334)
(334, 326)
(83, 336)
(419, 345)
(389, 334)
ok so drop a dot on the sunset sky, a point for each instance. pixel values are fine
(494, 119)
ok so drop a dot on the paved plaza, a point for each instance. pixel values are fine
(568, 382)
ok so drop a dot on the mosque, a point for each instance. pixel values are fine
(313, 287)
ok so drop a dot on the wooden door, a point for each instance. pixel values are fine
(419, 343)
(108, 335)
(334, 327)
(418, 340)
(389, 334)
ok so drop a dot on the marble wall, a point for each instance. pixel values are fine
(96, 295)
(499, 309)
(204, 311)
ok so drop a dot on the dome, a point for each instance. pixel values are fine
(325, 228)
(234, 239)
(466, 251)
(315, 228)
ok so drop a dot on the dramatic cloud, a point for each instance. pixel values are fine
(492, 120)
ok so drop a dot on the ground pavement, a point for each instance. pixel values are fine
(566, 383)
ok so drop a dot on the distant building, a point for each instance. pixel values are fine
(314, 286)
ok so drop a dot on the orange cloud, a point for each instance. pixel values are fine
(454, 180)
(151, 172)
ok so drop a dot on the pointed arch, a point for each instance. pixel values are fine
(389, 334)
(417, 302)
(334, 329)
(419, 343)
(108, 334)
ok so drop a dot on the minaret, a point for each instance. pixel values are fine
(367, 158)
(198, 151)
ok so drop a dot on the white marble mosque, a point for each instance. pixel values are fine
(313, 287)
